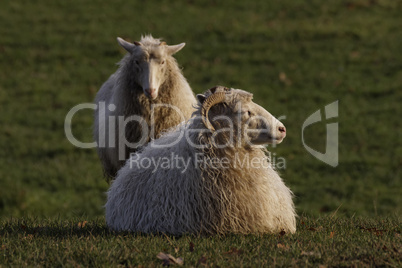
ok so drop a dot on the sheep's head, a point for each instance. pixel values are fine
(149, 58)
(224, 109)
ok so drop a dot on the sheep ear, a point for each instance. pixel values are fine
(174, 49)
(129, 47)
(201, 98)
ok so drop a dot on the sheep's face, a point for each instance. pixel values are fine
(237, 117)
(258, 125)
(151, 69)
(149, 63)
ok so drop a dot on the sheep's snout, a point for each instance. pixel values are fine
(282, 130)
(279, 132)
(151, 93)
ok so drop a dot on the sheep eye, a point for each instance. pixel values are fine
(249, 113)
(137, 62)
(163, 62)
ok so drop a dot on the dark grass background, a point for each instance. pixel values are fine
(295, 56)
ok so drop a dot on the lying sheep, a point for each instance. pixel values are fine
(147, 95)
(209, 176)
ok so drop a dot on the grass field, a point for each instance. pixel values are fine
(295, 56)
(327, 241)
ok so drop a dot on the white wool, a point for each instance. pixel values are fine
(125, 91)
(201, 198)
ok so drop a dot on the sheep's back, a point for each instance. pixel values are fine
(155, 198)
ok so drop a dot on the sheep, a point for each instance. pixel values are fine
(147, 95)
(210, 176)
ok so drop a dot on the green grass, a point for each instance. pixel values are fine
(295, 56)
(327, 241)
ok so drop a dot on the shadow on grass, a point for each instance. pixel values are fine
(73, 228)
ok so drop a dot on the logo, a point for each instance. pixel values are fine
(330, 156)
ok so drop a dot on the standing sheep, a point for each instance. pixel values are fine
(147, 95)
(215, 179)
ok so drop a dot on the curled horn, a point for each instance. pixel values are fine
(215, 98)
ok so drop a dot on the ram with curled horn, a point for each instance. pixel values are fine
(211, 189)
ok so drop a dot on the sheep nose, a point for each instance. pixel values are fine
(151, 92)
(282, 129)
